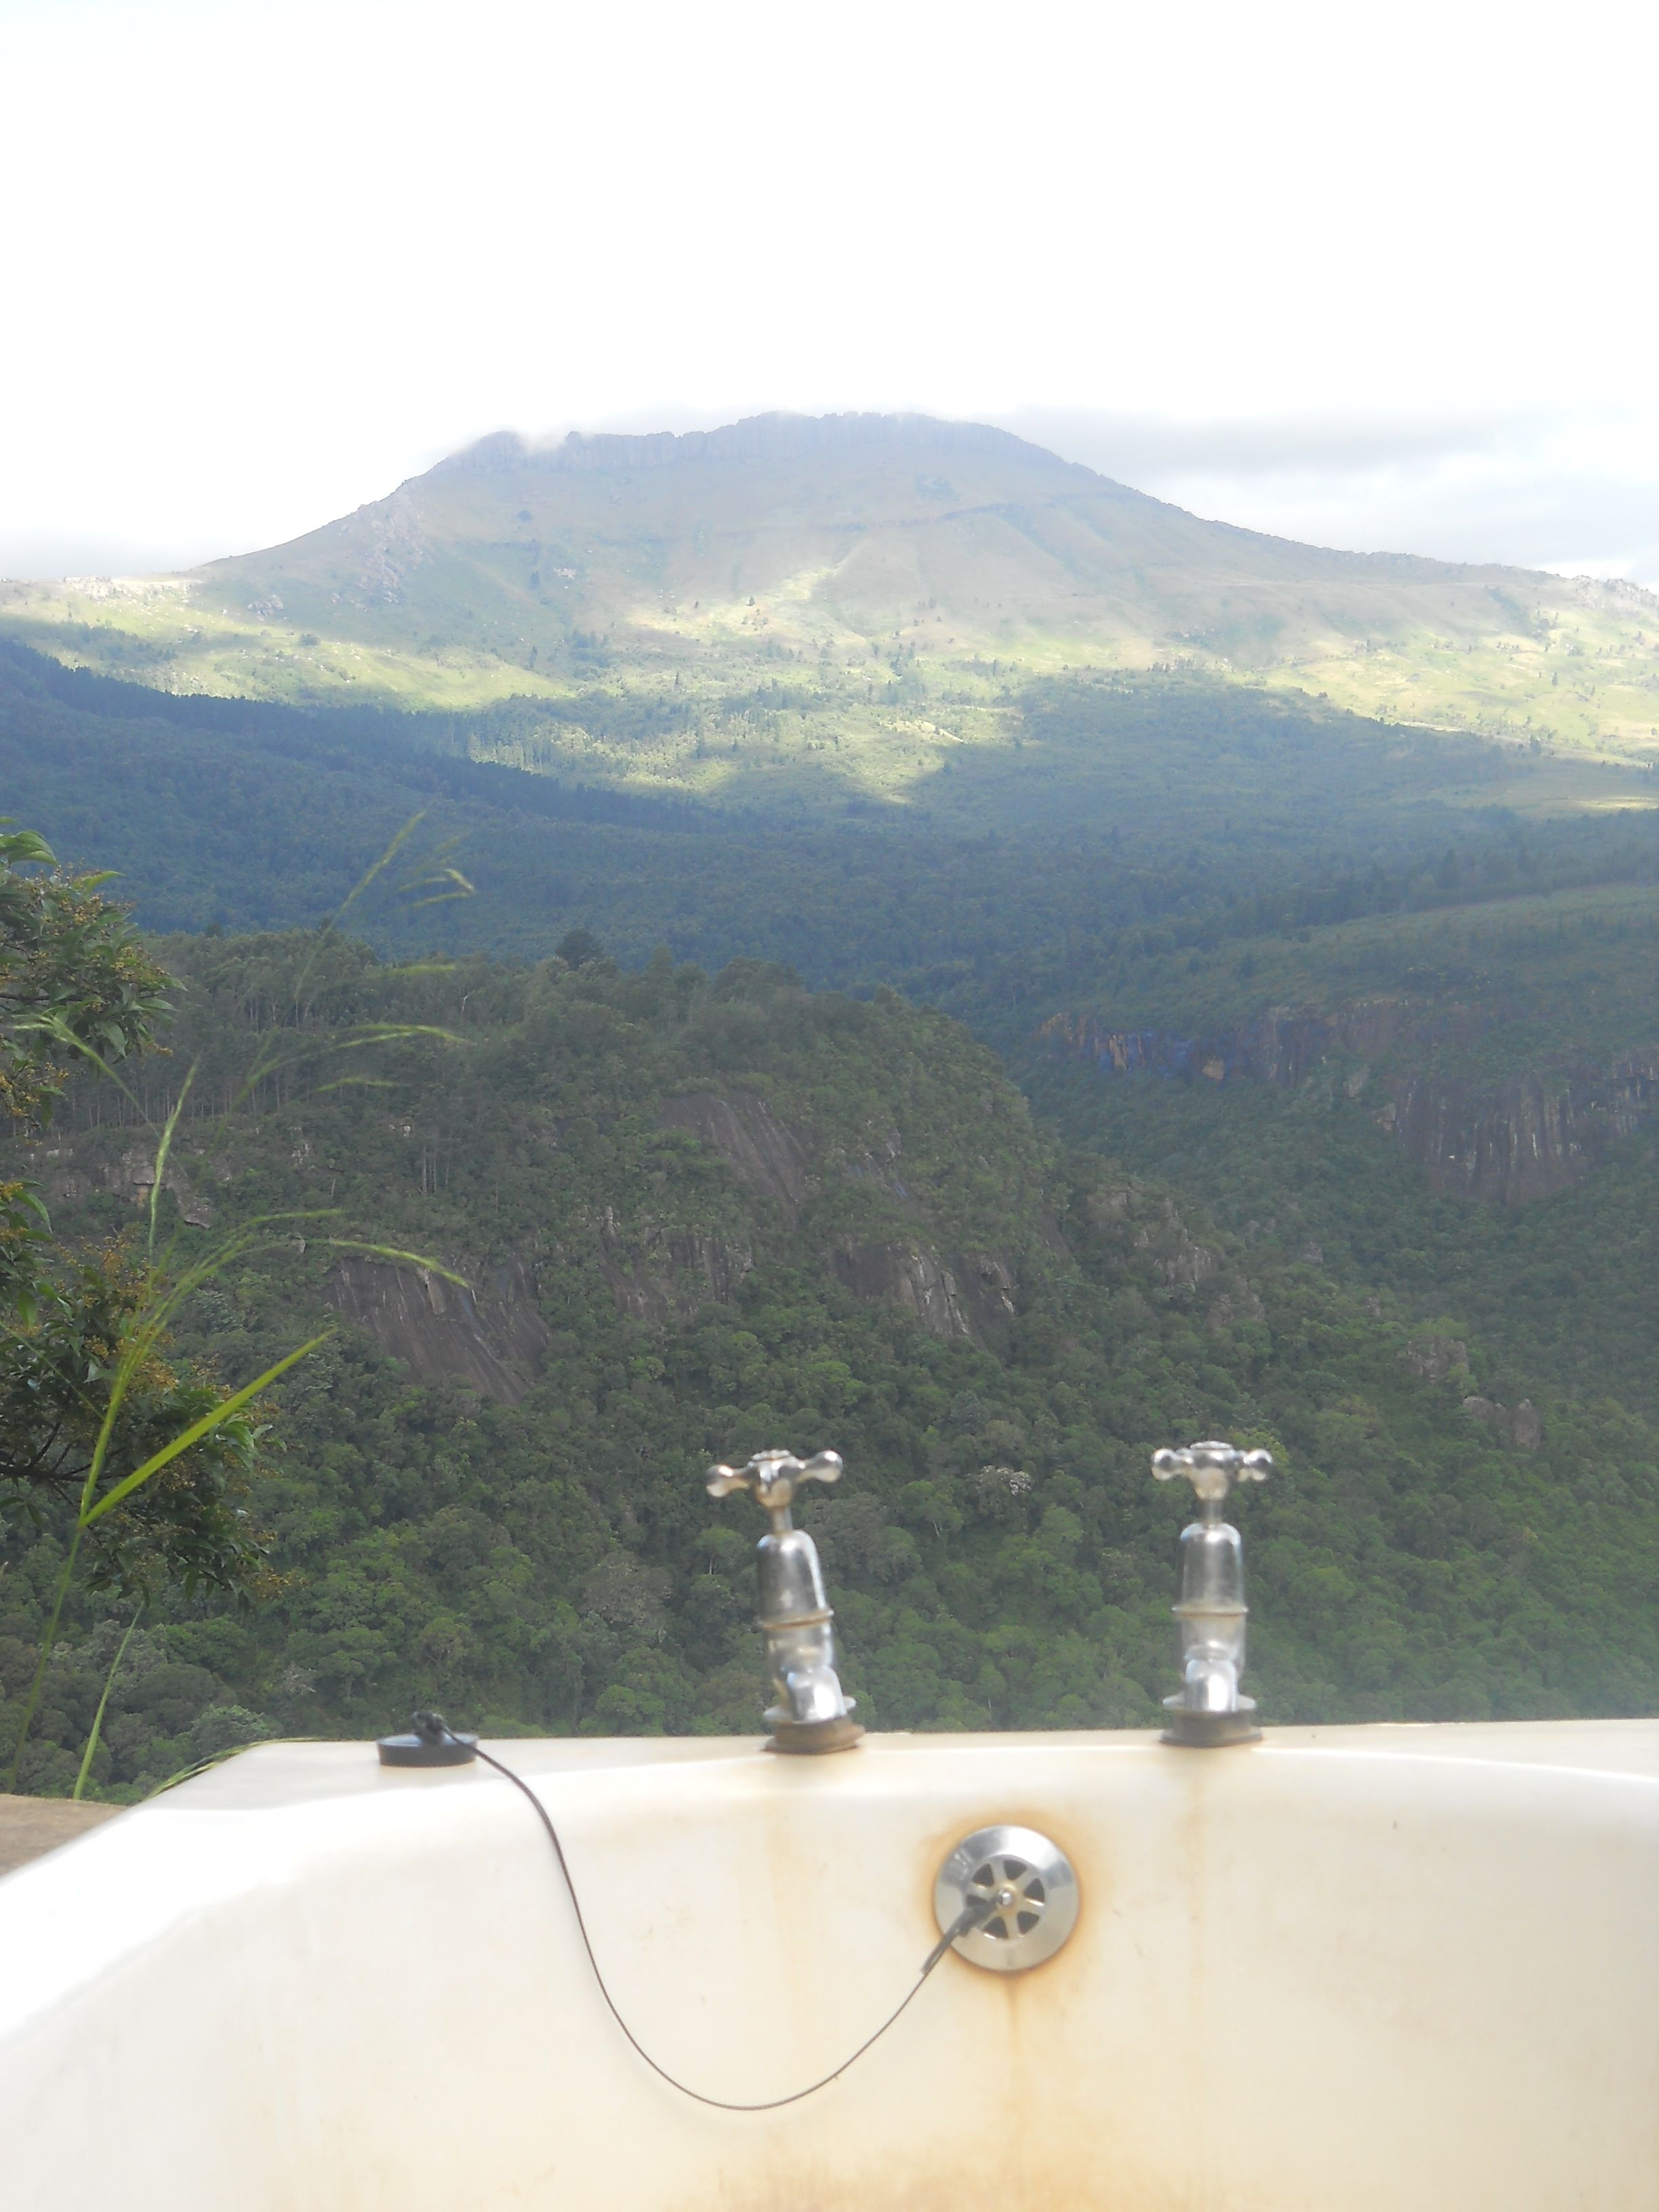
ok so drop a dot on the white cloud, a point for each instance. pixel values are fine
(265, 259)
(1572, 488)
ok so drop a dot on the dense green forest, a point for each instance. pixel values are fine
(699, 1216)
(1375, 1184)
(1528, 1025)
(1123, 820)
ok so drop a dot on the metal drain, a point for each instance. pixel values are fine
(1029, 1887)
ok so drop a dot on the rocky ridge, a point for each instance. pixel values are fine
(1508, 1144)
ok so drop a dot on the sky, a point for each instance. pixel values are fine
(1369, 276)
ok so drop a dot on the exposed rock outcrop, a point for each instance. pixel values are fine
(133, 1177)
(391, 543)
(990, 1292)
(1183, 1262)
(1522, 1141)
(974, 1296)
(1529, 1139)
(1521, 1426)
(658, 1275)
(492, 1337)
(910, 1275)
(1109, 1205)
(1279, 1047)
(1435, 1357)
(759, 1151)
(1155, 1227)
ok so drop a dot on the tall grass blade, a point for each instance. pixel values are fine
(162, 1151)
(55, 1027)
(420, 1259)
(383, 863)
(368, 1033)
(458, 887)
(263, 1064)
(194, 1433)
(98, 1717)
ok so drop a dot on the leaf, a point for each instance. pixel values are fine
(163, 1149)
(97, 1730)
(406, 1259)
(209, 1421)
(385, 861)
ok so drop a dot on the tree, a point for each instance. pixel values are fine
(89, 1397)
(102, 1436)
(579, 948)
(76, 981)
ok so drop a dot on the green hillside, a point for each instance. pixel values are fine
(1459, 1107)
(1004, 879)
(1349, 1027)
(1238, 859)
(701, 1216)
(882, 578)
(1313, 866)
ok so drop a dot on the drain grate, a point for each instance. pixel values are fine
(1028, 1890)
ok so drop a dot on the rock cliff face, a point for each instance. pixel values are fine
(1518, 1141)
(769, 1159)
(970, 1295)
(974, 1296)
(132, 1177)
(1522, 1426)
(1280, 1048)
(658, 1275)
(909, 1274)
(1531, 1138)
(489, 1335)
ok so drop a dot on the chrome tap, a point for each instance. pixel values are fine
(1212, 1610)
(813, 1713)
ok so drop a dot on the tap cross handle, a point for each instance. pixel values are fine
(775, 1477)
(1212, 1468)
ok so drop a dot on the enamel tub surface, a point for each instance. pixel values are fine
(1343, 1970)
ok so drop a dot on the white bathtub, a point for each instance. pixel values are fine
(1344, 1970)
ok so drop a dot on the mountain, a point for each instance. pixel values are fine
(1339, 1033)
(696, 1217)
(837, 529)
(858, 564)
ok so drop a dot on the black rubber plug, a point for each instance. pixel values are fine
(432, 1742)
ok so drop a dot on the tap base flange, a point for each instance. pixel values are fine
(1195, 1731)
(422, 1750)
(814, 1736)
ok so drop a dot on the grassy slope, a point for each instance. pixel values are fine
(846, 562)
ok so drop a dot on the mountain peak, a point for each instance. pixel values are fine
(776, 437)
(899, 555)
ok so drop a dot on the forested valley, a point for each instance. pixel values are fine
(1200, 1063)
